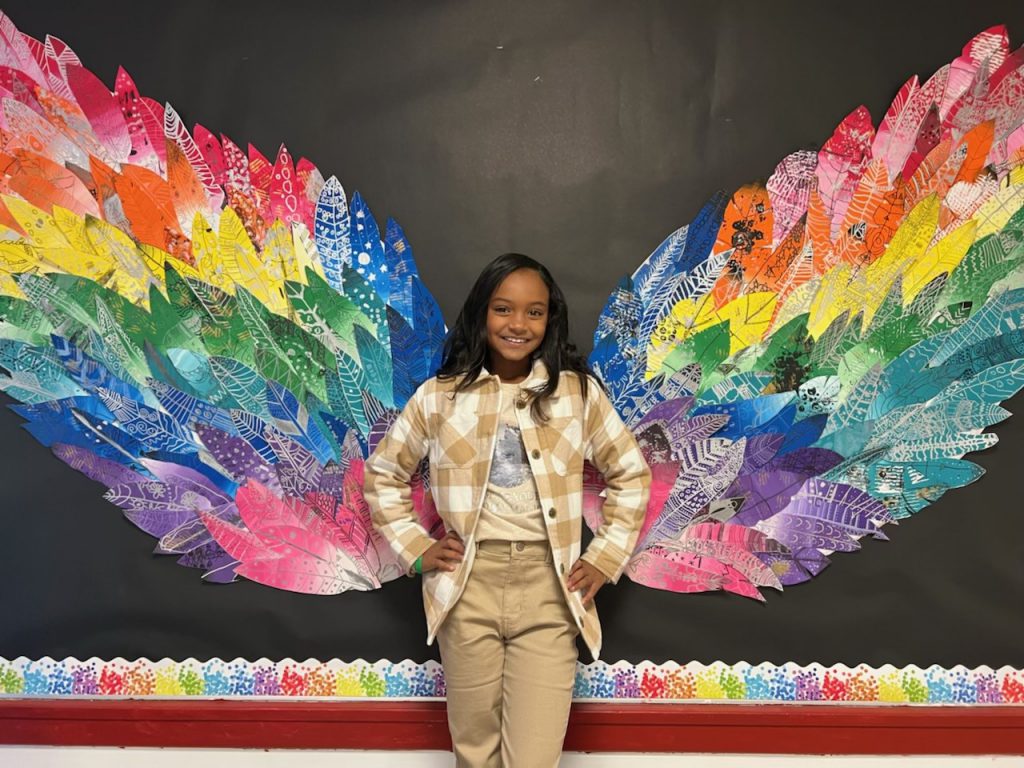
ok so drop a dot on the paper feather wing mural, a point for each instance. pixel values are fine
(220, 339)
(810, 359)
(217, 338)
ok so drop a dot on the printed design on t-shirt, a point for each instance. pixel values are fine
(510, 467)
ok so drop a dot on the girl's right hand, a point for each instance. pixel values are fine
(445, 554)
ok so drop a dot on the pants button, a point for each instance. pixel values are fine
(520, 546)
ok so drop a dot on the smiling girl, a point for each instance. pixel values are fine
(506, 425)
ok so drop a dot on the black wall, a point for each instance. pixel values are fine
(578, 132)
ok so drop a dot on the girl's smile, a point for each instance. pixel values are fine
(517, 318)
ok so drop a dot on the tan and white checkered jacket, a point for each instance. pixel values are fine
(457, 433)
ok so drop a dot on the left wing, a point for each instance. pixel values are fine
(216, 338)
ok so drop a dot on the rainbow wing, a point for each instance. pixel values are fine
(810, 359)
(217, 338)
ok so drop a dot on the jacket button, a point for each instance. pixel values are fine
(552, 512)
(520, 404)
(561, 568)
(535, 453)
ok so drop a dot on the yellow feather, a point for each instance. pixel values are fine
(242, 264)
(908, 245)
(686, 318)
(91, 265)
(830, 300)
(18, 257)
(37, 224)
(306, 254)
(206, 252)
(944, 256)
(72, 226)
(134, 271)
(993, 214)
(749, 317)
(50, 249)
(279, 258)
(797, 303)
(8, 287)
(182, 268)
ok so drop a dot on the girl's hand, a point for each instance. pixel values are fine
(586, 578)
(445, 554)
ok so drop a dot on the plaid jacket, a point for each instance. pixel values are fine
(457, 435)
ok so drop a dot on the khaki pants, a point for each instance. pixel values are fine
(508, 647)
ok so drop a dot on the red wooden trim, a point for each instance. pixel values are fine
(732, 728)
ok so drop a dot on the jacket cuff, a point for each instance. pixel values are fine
(607, 558)
(414, 550)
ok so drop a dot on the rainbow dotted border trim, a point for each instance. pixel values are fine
(622, 681)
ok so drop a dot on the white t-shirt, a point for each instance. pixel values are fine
(511, 509)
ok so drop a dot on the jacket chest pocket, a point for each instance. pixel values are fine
(454, 440)
(456, 495)
(563, 437)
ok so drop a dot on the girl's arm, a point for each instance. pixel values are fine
(386, 486)
(612, 448)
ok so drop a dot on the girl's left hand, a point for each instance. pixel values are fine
(586, 578)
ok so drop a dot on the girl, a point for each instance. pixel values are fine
(506, 426)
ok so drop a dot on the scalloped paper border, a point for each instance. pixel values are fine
(619, 682)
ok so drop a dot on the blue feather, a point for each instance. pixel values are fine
(89, 373)
(401, 269)
(251, 428)
(331, 232)
(291, 418)
(186, 409)
(803, 433)
(429, 326)
(767, 413)
(408, 365)
(367, 250)
(155, 429)
(703, 232)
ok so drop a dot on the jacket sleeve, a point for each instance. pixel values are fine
(386, 484)
(611, 447)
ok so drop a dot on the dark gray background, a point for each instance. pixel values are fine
(582, 134)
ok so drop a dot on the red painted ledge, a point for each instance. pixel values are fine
(734, 728)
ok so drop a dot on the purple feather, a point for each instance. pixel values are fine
(809, 462)
(217, 565)
(760, 450)
(186, 479)
(332, 480)
(239, 458)
(380, 428)
(667, 412)
(829, 516)
(766, 491)
(105, 471)
(297, 469)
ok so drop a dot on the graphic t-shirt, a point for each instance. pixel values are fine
(511, 509)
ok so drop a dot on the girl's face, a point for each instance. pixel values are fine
(517, 316)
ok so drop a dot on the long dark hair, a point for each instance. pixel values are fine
(465, 348)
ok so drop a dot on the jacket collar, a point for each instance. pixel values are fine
(538, 375)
